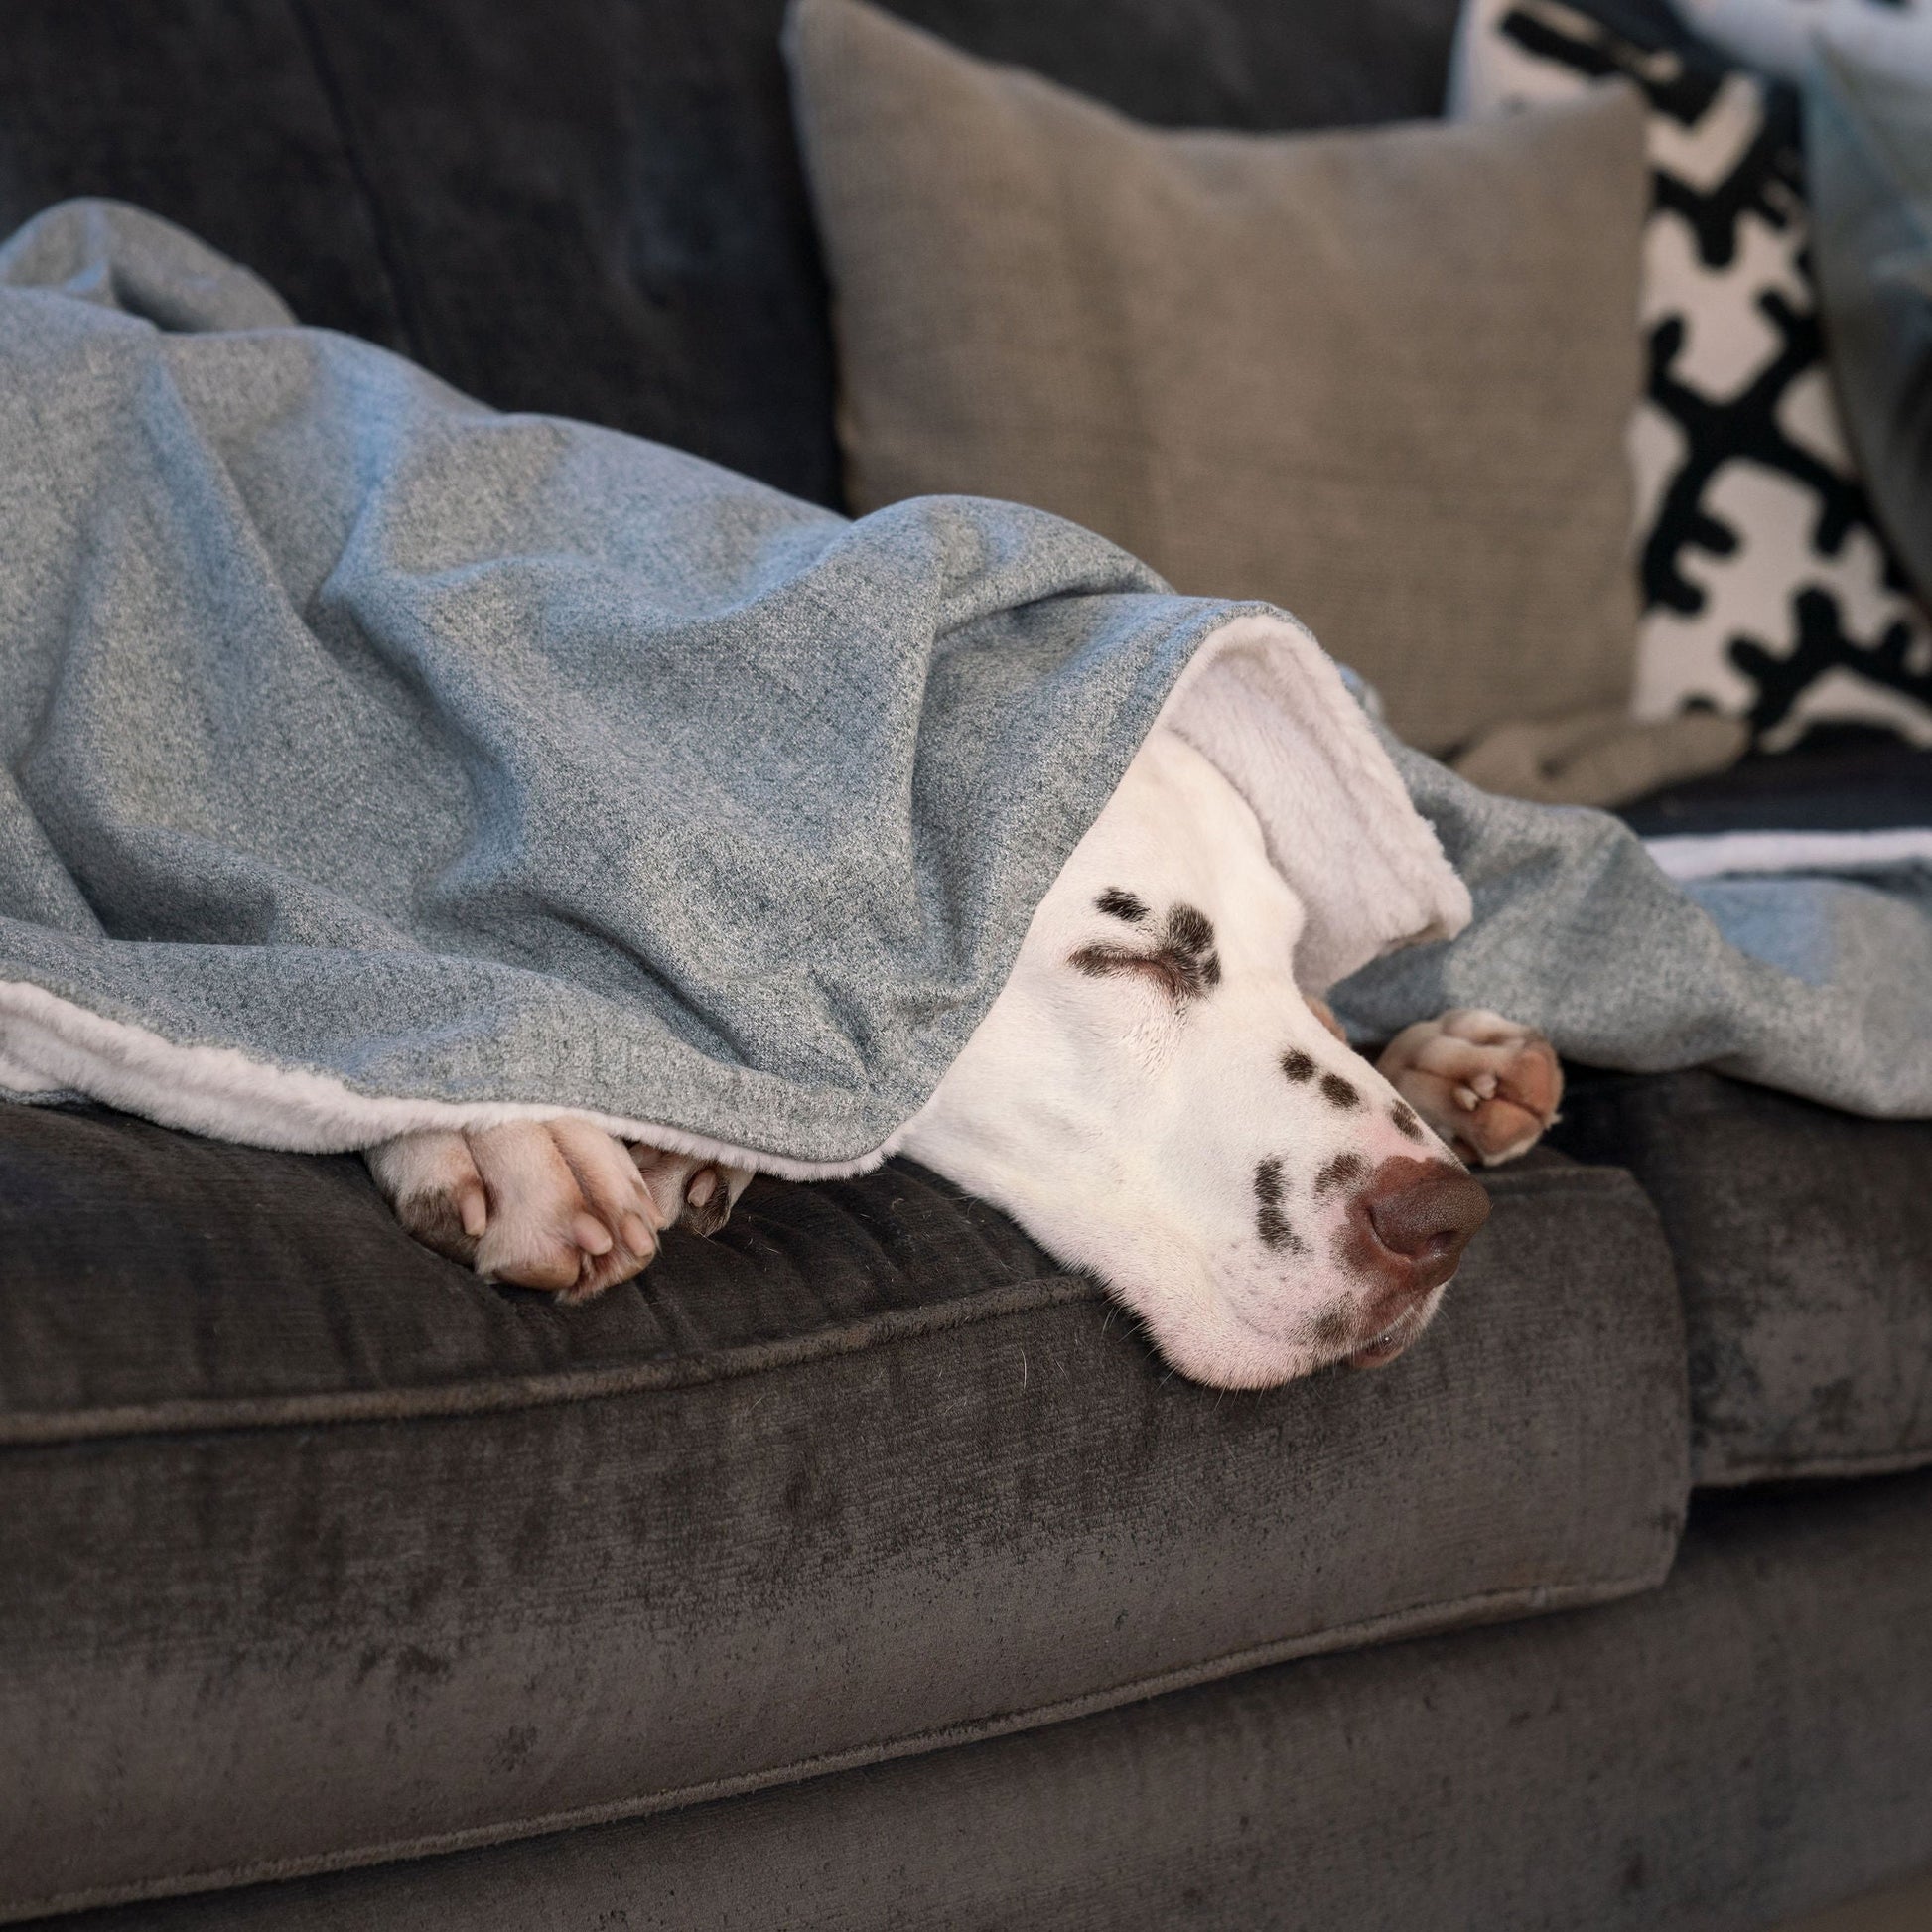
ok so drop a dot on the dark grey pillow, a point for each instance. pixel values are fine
(1379, 377)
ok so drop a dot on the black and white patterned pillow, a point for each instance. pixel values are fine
(1769, 592)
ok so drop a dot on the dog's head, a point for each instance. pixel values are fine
(1154, 1099)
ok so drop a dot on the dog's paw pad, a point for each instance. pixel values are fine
(1488, 1086)
(707, 1201)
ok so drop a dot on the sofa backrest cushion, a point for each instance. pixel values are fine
(594, 207)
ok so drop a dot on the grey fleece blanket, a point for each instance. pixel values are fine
(1818, 984)
(359, 745)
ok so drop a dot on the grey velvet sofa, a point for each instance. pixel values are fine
(860, 1568)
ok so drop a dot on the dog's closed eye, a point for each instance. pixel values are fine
(1175, 976)
(1183, 964)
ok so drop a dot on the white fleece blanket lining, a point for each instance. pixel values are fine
(1714, 855)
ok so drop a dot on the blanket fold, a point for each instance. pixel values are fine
(1818, 984)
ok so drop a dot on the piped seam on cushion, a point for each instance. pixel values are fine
(1807, 1468)
(457, 1400)
(40, 1428)
(1427, 1620)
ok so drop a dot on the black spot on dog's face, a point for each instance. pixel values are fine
(1183, 962)
(1189, 932)
(1270, 1222)
(1298, 1066)
(1190, 937)
(1406, 1121)
(1343, 1170)
(1338, 1092)
(1334, 1326)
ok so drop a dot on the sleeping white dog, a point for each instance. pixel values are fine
(1151, 1096)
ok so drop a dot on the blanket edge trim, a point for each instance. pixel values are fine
(55, 1048)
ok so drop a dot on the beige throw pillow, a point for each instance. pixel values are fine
(1379, 377)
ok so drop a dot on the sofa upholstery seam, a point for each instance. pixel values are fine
(380, 233)
(486, 1395)
(557, 1388)
(1766, 1470)
(1519, 1602)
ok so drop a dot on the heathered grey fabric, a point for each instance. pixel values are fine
(1381, 377)
(1821, 986)
(1748, 1744)
(487, 758)
(321, 1550)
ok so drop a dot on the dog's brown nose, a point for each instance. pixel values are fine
(1424, 1213)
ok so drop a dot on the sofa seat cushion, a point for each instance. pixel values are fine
(1750, 1743)
(1803, 1239)
(323, 1551)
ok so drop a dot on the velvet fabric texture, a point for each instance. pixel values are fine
(323, 1551)
(592, 208)
(1748, 1744)
(1381, 379)
(1801, 1237)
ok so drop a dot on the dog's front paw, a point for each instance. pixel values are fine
(1488, 1086)
(556, 1204)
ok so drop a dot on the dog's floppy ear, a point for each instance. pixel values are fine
(1265, 703)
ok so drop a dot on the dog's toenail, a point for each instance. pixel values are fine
(704, 1184)
(637, 1236)
(592, 1236)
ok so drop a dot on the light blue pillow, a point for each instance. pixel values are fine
(1869, 150)
(1775, 36)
